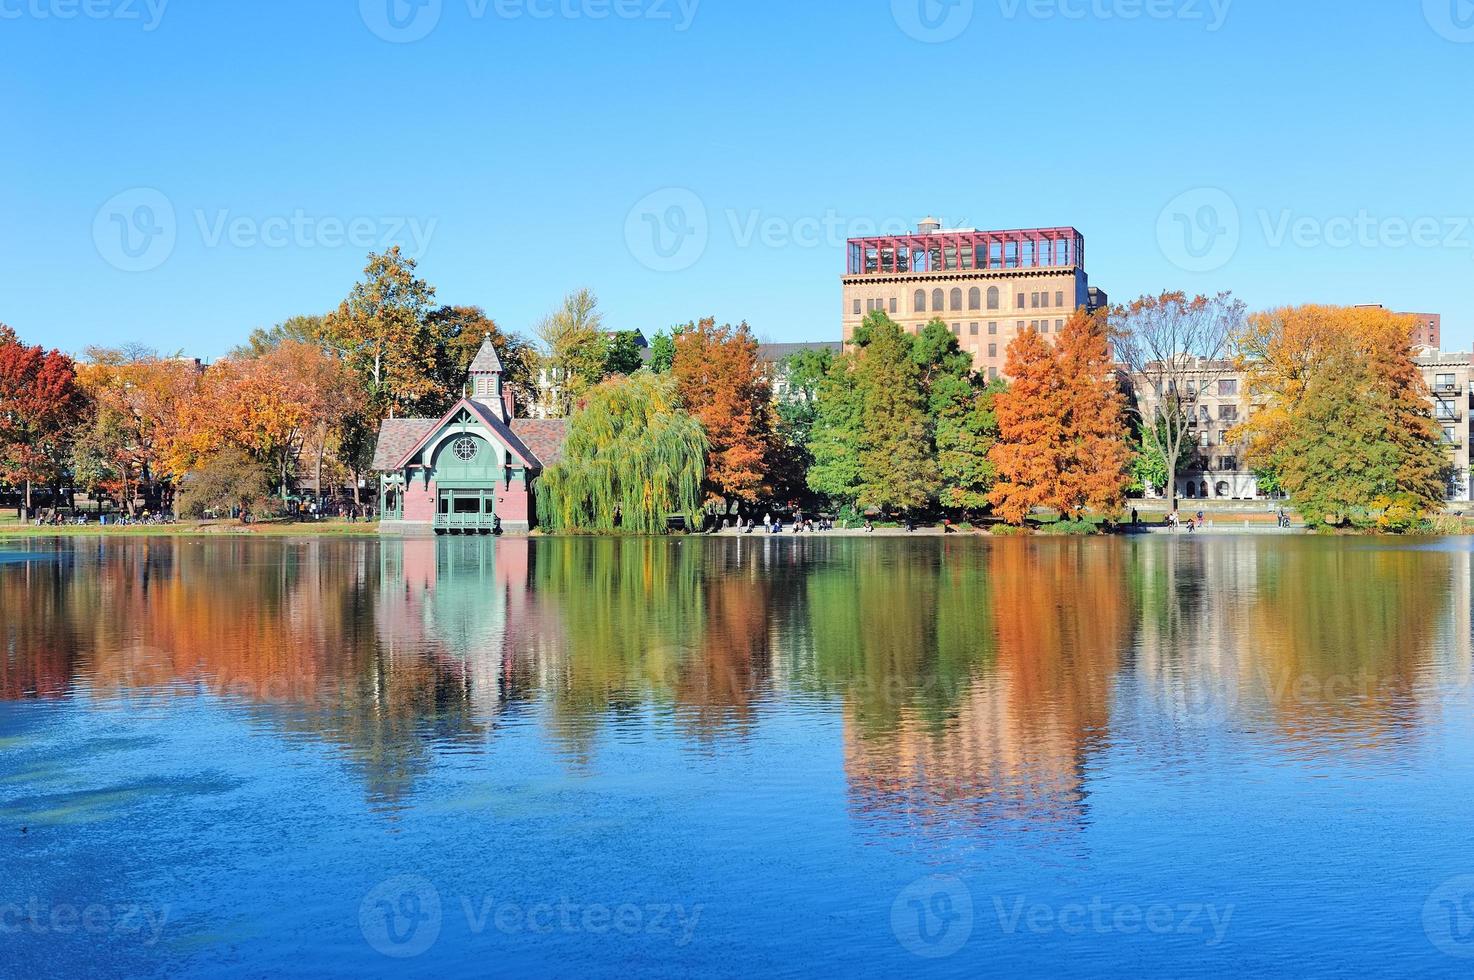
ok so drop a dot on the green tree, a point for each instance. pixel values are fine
(632, 459)
(897, 467)
(834, 437)
(309, 328)
(230, 478)
(622, 353)
(960, 417)
(663, 352)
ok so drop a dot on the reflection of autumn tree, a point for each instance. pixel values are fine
(717, 686)
(1015, 745)
(1343, 630)
(37, 634)
(288, 639)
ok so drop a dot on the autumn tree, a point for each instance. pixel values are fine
(1095, 421)
(230, 480)
(379, 331)
(41, 405)
(1172, 347)
(574, 347)
(1343, 419)
(1032, 455)
(722, 384)
(456, 333)
(137, 398)
(308, 328)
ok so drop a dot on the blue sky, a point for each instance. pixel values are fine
(176, 173)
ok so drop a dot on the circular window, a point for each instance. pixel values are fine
(465, 449)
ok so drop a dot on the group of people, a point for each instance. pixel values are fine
(773, 524)
(55, 518)
(1175, 522)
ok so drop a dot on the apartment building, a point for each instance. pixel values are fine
(986, 285)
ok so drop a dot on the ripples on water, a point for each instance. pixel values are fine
(1166, 756)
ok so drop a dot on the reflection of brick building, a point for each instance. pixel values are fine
(986, 285)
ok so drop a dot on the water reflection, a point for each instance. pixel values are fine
(976, 681)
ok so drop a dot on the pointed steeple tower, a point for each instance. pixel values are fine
(486, 380)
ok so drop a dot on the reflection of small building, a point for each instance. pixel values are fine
(469, 471)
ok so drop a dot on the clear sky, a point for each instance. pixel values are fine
(176, 173)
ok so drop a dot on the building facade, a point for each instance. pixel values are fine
(471, 471)
(986, 285)
(1218, 397)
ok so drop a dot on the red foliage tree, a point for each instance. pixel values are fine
(40, 408)
(721, 383)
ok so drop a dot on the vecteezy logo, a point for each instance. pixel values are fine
(401, 917)
(400, 21)
(933, 21)
(667, 231)
(932, 917)
(135, 231)
(1452, 19)
(1198, 231)
(1448, 917)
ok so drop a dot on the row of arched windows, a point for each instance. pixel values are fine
(953, 301)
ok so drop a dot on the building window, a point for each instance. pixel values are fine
(1059, 297)
(857, 307)
(957, 330)
(957, 299)
(972, 329)
(974, 298)
(918, 302)
(893, 304)
(1059, 325)
(1022, 301)
(1445, 382)
(1228, 413)
(465, 448)
(936, 299)
(1034, 301)
(992, 297)
(992, 350)
(1228, 388)
(992, 374)
(993, 328)
(1228, 463)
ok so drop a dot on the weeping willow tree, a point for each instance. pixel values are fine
(632, 459)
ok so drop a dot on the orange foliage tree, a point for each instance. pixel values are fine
(40, 407)
(1061, 436)
(722, 384)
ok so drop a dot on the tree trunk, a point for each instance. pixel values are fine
(26, 507)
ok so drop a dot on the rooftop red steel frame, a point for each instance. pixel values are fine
(961, 251)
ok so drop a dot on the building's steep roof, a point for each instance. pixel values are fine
(544, 437)
(486, 361)
(774, 353)
(396, 438)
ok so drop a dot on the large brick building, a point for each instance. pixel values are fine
(986, 285)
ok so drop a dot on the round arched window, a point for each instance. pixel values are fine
(465, 448)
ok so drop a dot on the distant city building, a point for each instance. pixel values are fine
(1219, 398)
(1427, 330)
(986, 285)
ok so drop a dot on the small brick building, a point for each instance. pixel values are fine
(469, 471)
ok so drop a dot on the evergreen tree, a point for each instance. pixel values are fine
(834, 441)
(897, 467)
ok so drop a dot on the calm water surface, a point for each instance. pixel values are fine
(1181, 757)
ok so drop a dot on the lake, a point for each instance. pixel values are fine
(1191, 756)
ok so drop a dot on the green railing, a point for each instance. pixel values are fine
(465, 522)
